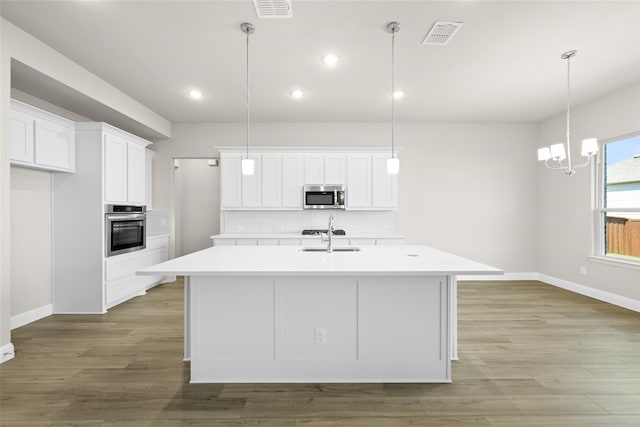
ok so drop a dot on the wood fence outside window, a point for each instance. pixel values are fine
(623, 236)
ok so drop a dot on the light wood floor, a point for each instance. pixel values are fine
(530, 355)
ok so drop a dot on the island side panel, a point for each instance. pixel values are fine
(187, 318)
(320, 329)
(453, 313)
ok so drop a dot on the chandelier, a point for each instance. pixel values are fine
(558, 156)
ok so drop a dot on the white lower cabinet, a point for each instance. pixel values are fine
(223, 242)
(389, 241)
(268, 242)
(362, 242)
(289, 242)
(246, 242)
(316, 241)
(121, 281)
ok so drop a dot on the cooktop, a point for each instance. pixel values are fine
(317, 232)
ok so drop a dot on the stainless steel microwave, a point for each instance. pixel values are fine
(323, 196)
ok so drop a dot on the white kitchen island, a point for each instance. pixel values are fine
(277, 314)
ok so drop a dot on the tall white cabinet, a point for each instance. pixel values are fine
(110, 168)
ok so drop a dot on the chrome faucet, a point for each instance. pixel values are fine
(330, 230)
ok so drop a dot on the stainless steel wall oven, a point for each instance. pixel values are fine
(125, 229)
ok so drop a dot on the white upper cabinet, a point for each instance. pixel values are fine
(334, 172)
(136, 167)
(54, 145)
(21, 135)
(314, 169)
(324, 169)
(148, 181)
(271, 180)
(358, 181)
(40, 139)
(125, 168)
(385, 186)
(115, 169)
(230, 181)
(292, 180)
(280, 174)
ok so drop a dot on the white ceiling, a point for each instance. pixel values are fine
(503, 65)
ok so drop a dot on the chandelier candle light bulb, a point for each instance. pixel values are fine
(589, 147)
(557, 153)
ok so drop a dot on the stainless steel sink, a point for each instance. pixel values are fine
(323, 249)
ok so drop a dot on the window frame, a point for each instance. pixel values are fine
(600, 212)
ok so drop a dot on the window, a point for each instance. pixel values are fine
(619, 199)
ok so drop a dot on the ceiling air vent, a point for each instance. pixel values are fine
(441, 32)
(273, 8)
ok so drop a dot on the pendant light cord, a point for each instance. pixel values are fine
(393, 98)
(247, 95)
(569, 111)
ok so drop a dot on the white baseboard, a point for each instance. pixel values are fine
(598, 294)
(31, 316)
(7, 352)
(505, 276)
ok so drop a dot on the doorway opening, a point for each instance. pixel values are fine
(196, 203)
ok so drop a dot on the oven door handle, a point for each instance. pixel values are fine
(121, 217)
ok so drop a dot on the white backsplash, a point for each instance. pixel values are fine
(158, 221)
(234, 222)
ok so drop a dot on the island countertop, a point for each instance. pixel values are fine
(290, 260)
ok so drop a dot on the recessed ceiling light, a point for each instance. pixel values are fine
(297, 93)
(195, 94)
(330, 59)
(398, 94)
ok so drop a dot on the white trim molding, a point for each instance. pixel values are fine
(619, 300)
(598, 294)
(31, 316)
(7, 352)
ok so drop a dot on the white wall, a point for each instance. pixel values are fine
(465, 188)
(6, 348)
(198, 210)
(30, 240)
(565, 204)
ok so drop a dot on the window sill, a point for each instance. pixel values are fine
(618, 262)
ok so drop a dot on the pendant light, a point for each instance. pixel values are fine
(248, 165)
(393, 164)
(560, 152)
